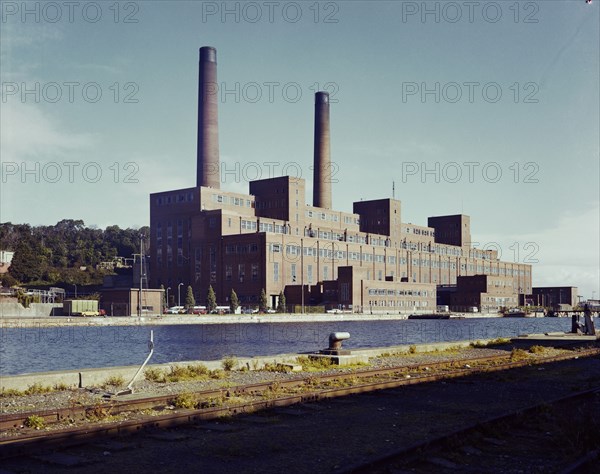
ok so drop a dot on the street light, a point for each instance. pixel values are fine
(179, 294)
(168, 296)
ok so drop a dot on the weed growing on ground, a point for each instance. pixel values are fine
(211, 402)
(275, 367)
(412, 349)
(180, 373)
(98, 412)
(518, 354)
(114, 381)
(36, 389)
(229, 363)
(153, 374)
(314, 364)
(537, 349)
(11, 392)
(35, 421)
(185, 400)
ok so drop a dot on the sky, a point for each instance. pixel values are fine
(489, 109)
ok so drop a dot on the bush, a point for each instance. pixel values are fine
(537, 349)
(412, 349)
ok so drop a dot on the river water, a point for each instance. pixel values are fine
(27, 350)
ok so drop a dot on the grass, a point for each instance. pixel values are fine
(11, 392)
(36, 389)
(179, 373)
(229, 363)
(35, 421)
(518, 354)
(275, 367)
(537, 349)
(314, 365)
(114, 381)
(494, 342)
(98, 412)
(185, 400)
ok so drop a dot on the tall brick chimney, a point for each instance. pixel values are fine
(322, 155)
(208, 126)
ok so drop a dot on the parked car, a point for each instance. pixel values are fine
(175, 310)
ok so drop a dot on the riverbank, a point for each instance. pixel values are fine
(168, 319)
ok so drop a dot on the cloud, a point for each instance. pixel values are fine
(28, 133)
(564, 253)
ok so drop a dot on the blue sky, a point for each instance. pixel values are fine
(491, 110)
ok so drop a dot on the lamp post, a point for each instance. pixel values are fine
(168, 296)
(179, 294)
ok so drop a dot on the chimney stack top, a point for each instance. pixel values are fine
(322, 97)
(208, 54)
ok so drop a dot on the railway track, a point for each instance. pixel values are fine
(533, 432)
(236, 400)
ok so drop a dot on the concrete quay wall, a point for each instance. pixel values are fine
(97, 376)
(35, 310)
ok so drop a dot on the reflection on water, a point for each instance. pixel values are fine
(25, 350)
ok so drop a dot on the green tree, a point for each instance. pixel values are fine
(281, 304)
(234, 302)
(211, 300)
(164, 296)
(262, 301)
(27, 264)
(190, 301)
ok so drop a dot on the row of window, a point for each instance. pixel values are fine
(417, 231)
(241, 272)
(398, 304)
(241, 248)
(174, 198)
(394, 292)
(232, 200)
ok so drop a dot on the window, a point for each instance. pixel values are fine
(309, 272)
(228, 272)
(325, 272)
(293, 273)
(275, 271)
(241, 272)
(254, 271)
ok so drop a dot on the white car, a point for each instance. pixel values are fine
(175, 310)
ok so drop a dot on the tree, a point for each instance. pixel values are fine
(27, 264)
(164, 296)
(234, 302)
(281, 305)
(190, 301)
(211, 300)
(262, 301)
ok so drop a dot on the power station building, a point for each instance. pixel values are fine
(271, 239)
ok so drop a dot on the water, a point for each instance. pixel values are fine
(27, 350)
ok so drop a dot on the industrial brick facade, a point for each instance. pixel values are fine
(271, 239)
